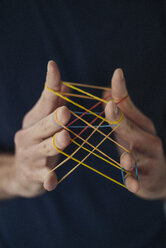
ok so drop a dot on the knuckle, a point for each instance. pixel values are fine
(152, 163)
(18, 137)
(157, 144)
(48, 97)
(53, 152)
(158, 141)
(47, 150)
(43, 162)
(28, 174)
(130, 125)
(43, 125)
(20, 154)
(150, 124)
(27, 119)
(43, 148)
(133, 146)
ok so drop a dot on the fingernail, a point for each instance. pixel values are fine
(59, 113)
(49, 68)
(62, 139)
(121, 74)
(54, 119)
(62, 115)
(116, 109)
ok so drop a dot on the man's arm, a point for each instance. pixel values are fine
(6, 175)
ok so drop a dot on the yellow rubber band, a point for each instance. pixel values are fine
(71, 155)
(107, 161)
(87, 123)
(79, 147)
(89, 86)
(84, 92)
(106, 136)
(87, 166)
(95, 129)
(115, 164)
(80, 106)
(76, 95)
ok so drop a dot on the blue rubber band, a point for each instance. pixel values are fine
(54, 122)
(79, 112)
(136, 170)
(82, 126)
(123, 176)
(102, 126)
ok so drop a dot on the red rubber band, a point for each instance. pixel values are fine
(124, 98)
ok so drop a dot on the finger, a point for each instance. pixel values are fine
(50, 181)
(119, 92)
(65, 89)
(137, 138)
(127, 161)
(47, 126)
(48, 101)
(46, 148)
(132, 184)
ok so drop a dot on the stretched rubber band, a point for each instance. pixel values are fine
(98, 113)
(117, 165)
(84, 92)
(80, 126)
(77, 95)
(89, 86)
(80, 106)
(80, 112)
(84, 113)
(91, 152)
(123, 177)
(102, 126)
(121, 100)
(80, 146)
(82, 131)
(102, 132)
(88, 125)
(87, 166)
(136, 170)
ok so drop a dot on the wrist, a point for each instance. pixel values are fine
(8, 182)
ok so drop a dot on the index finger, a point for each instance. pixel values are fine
(46, 127)
(137, 138)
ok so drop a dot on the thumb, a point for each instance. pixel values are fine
(48, 101)
(121, 97)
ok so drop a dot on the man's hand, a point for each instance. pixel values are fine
(146, 147)
(35, 154)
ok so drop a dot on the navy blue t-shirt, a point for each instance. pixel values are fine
(88, 40)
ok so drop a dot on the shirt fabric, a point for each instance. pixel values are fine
(88, 40)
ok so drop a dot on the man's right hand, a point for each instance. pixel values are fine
(35, 154)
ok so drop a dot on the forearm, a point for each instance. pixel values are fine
(6, 176)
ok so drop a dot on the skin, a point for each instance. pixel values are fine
(26, 173)
(138, 132)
